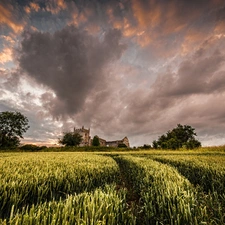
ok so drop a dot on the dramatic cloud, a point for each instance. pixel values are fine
(123, 68)
(205, 73)
(71, 63)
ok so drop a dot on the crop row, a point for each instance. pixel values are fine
(85, 188)
(207, 172)
(166, 197)
(105, 206)
(28, 179)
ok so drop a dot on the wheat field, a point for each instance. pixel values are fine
(125, 187)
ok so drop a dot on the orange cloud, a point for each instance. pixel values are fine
(146, 17)
(6, 17)
(220, 28)
(32, 7)
(55, 6)
(7, 39)
(154, 21)
(83, 17)
(125, 26)
(191, 39)
(5, 55)
(78, 18)
(172, 21)
(140, 31)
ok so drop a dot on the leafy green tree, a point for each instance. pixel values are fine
(70, 139)
(155, 144)
(173, 143)
(181, 136)
(193, 144)
(95, 141)
(12, 127)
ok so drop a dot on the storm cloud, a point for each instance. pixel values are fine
(123, 68)
(71, 63)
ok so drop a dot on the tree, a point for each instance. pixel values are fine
(181, 136)
(193, 144)
(71, 139)
(155, 144)
(145, 146)
(12, 127)
(32, 148)
(95, 141)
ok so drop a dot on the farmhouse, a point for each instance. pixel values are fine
(87, 141)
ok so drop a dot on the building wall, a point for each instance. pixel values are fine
(126, 142)
(102, 142)
(85, 134)
(87, 141)
(116, 143)
(112, 144)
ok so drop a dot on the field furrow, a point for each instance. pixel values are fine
(110, 188)
(31, 178)
(166, 196)
(105, 206)
(207, 172)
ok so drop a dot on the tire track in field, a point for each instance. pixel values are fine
(210, 189)
(208, 179)
(133, 198)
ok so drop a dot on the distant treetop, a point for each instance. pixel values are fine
(181, 136)
(12, 127)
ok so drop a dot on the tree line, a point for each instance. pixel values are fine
(14, 124)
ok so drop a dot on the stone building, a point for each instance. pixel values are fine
(102, 141)
(115, 144)
(85, 134)
(87, 141)
(118, 142)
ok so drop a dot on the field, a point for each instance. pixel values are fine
(125, 187)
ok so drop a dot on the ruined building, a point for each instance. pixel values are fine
(118, 142)
(87, 141)
(85, 134)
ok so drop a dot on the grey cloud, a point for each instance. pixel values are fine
(204, 112)
(82, 89)
(43, 130)
(70, 62)
(10, 80)
(191, 95)
(220, 16)
(5, 107)
(195, 75)
(217, 81)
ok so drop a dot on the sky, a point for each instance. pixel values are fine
(133, 68)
